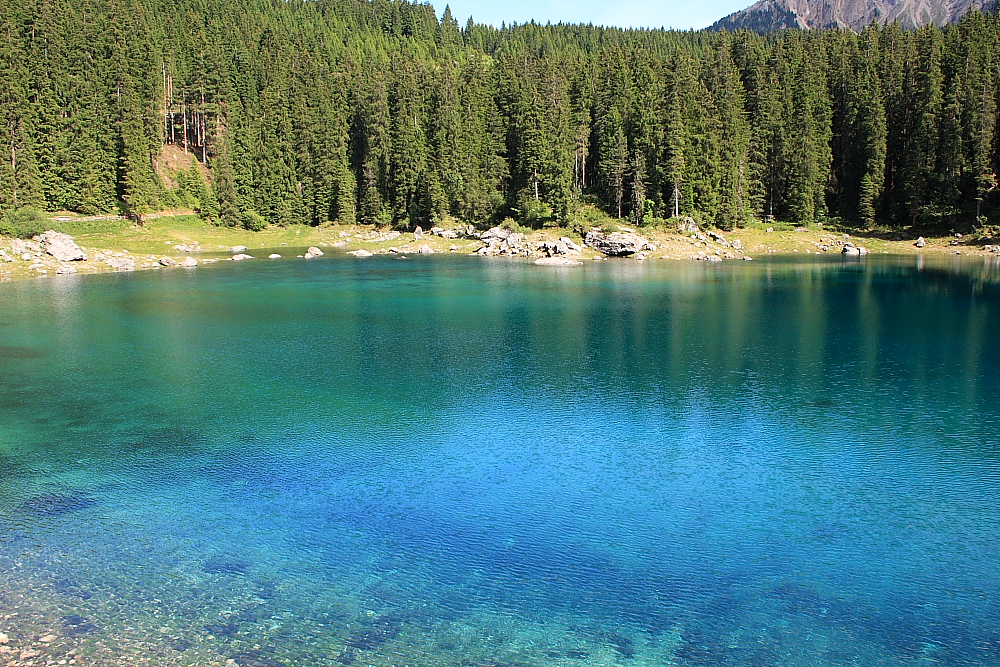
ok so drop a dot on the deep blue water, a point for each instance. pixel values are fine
(457, 461)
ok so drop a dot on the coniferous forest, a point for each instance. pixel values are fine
(378, 112)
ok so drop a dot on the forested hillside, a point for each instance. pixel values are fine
(309, 111)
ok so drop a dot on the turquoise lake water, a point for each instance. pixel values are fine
(458, 461)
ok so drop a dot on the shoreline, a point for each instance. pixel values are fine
(168, 240)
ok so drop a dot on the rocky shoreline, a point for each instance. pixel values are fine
(55, 253)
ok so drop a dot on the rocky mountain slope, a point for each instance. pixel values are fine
(770, 15)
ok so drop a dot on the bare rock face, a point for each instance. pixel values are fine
(771, 15)
(616, 244)
(61, 246)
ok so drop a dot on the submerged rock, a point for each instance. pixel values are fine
(225, 566)
(61, 246)
(57, 504)
(557, 261)
(76, 625)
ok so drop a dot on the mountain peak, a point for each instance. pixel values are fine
(770, 15)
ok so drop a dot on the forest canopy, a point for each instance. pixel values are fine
(379, 112)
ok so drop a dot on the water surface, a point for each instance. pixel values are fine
(457, 461)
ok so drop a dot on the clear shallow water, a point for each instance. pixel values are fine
(452, 461)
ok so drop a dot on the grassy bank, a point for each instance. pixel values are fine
(157, 238)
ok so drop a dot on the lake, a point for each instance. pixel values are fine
(479, 463)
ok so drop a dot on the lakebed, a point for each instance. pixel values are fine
(452, 461)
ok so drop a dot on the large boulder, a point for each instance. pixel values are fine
(189, 262)
(61, 246)
(615, 244)
(313, 251)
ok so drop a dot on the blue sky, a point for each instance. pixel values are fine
(680, 14)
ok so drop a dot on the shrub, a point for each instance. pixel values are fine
(252, 220)
(23, 223)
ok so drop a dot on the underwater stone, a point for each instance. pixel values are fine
(57, 504)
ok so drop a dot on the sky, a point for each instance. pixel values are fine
(679, 14)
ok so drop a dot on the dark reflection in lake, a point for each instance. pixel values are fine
(457, 461)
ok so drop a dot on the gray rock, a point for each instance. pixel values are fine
(360, 253)
(495, 233)
(189, 262)
(5, 257)
(26, 256)
(168, 261)
(239, 257)
(615, 244)
(687, 225)
(313, 251)
(65, 269)
(718, 238)
(121, 263)
(237, 249)
(920, 242)
(61, 246)
(183, 247)
(737, 244)
(19, 247)
(557, 261)
(418, 234)
(850, 249)
(274, 255)
(425, 250)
